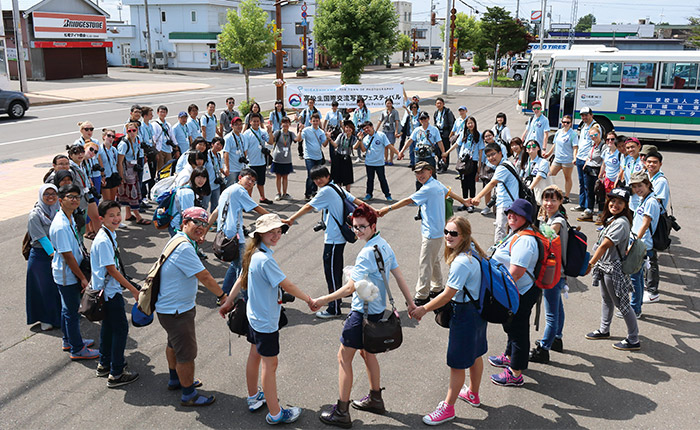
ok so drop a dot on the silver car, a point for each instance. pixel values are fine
(13, 103)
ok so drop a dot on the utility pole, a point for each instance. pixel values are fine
(278, 50)
(415, 48)
(453, 48)
(19, 45)
(430, 33)
(543, 13)
(446, 50)
(517, 9)
(148, 37)
(306, 41)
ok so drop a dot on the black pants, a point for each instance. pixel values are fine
(379, 170)
(446, 145)
(333, 269)
(518, 330)
(468, 184)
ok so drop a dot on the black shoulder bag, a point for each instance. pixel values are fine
(348, 209)
(385, 334)
(226, 249)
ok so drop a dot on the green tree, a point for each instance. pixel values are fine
(355, 33)
(694, 33)
(499, 28)
(467, 32)
(585, 23)
(247, 39)
(403, 44)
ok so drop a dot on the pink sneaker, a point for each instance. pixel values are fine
(469, 397)
(442, 414)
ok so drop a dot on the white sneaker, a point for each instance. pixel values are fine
(122, 225)
(650, 298)
(46, 327)
(278, 197)
(486, 211)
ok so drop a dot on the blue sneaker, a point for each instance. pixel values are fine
(85, 354)
(86, 343)
(389, 199)
(499, 361)
(507, 379)
(368, 197)
(257, 401)
(287, 416)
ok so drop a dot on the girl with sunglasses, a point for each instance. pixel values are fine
(565, 139)
(86, 131)
(129, 192)
(108, 157)
(535, 169)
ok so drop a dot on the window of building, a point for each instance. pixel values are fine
(222, 18)
(604, 74)
(162, 16)
(193, 15)
(421, 33)
(679, 76)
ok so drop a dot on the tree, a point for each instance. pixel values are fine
(694, 33)
(403, 44)
(355, 33)
(467, 32)
(585, 23)
(498, 28)
(247, 39)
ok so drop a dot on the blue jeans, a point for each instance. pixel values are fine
(214, 199)
(232, 178)
(638, 288)
(70, 318)
(582, 192)
(379, 171)
(234, 270)
(310, 186)
(115, 329)
(412, 153)
(553, 314)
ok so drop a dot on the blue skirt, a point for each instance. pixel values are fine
(282, 168)
(467, 340)
(43, 298)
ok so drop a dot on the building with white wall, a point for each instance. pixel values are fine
(424, 39)
(404, 10)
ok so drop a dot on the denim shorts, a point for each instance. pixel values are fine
(267, 344)
(352, 329)
(467, 340)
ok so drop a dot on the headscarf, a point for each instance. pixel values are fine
(42, 209)
(58, 177)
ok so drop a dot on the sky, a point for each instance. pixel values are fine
(605, 11)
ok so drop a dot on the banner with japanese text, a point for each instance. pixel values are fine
(375, 96)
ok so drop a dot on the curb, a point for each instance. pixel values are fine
(107, 97)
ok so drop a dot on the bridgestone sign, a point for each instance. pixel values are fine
(50, 25)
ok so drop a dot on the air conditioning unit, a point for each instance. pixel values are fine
(143, 54)
(171, 54)
(160, 58)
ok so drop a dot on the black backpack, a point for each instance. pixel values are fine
(576, 253)
(523, 191)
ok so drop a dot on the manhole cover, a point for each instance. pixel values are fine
(8, 160)
(43, 165)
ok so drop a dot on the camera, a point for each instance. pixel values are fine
(242, 159)
(491, 203)
(170, 143)
(265, 151)
(287, 298)
(674, 225)
(219, 180)
(320, 226)
(98, 168)
(424, 150)
(138, 168)
(96, 195)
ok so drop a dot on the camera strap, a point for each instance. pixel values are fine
(382, 269)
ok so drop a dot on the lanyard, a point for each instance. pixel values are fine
(370, 141)
(238, 145)
(184, 130)
(215, 156)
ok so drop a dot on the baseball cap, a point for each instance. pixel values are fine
(415, 97)
(423, 165)
(521, 207)
(195, 213)
(537, 102)
(182, 114)
(236, 118)
(585, 111)
(464, 108)
(646, 149)
(620, 193)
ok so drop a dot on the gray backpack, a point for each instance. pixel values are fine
(634, 259)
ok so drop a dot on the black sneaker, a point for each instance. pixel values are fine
(420, 302)
(433, 294)
(594, 335)
(557, 345)
(102, 371)
(566, 201)
(539, 355)
(125, 378)
(625, 345)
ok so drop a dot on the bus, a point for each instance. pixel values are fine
(651, 95)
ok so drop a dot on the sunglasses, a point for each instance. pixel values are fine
(109, 135)
(132, 130)
(359, 227)
(89, 128)
(610, 139)
(537, 108)
(451, 233)
(198, 222)
(530, 146)
(93, 150)
(566, 122)
(594, 134)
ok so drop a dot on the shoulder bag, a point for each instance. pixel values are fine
(385, 334)
(226, 249)
(92, 304)
(151, 288)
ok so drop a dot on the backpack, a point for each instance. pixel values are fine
(523, 191)
(575, 257)
(348, 208)
(633, 260)
(163, 214)
(151, 288)
(499, 298)
(548, 267)
(662, 234)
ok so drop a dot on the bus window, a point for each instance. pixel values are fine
(604, 74)
(638, 75)
(679, 76)
(532, 89)
(555, 99)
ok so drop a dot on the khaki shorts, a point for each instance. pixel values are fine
(181, 334)
(554, 163)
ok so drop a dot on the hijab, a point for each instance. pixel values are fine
(46, 212)
(57, 178)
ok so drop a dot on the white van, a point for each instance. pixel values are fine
(518, 70)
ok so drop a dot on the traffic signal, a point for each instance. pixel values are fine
(432, 18)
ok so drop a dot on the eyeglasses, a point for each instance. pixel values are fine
(50, 194)
(359, 227)
(109, 135)
(566, 122)
(451, 233)
(74, 197)
(89, 128)
(132, 130)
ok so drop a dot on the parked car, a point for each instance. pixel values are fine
(517, 70)
(437, 55)
(13, 103)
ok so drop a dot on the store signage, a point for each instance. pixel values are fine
(50, 25)
(48, 44)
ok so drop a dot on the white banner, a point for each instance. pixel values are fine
(50, 25)
(346, 95)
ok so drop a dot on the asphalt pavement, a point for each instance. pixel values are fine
(589, 385)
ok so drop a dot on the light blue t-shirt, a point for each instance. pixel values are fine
(506, 181)
(181, 135)
(359, 116)
(585, 143)
(252, 141)
(375, 145)
(429, 136)
(630, 166)
(63, 236)
(564, 142)
(182, 161)
(536, 128)
(458, 125)
(264, 276)
(465, 271)
(146, 133)
(649, 207)
(102, 255)
(313, 142)
(520, 251)
(537, 167)
(81, 141)
(305, 116)
(328, 199)
(178, 284)
(130, 151)
(470, 146)
(334, 118)
(366, 268)
(612, 163)
(661, 190)
(193, 127)
(209, 123)
(238, 201)
(109, 159)
(233, 145)
(213, 165)
(184, 199)
(276, 120)
(431, 199)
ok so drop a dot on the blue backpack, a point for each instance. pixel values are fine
(499, 298)
(164, 212)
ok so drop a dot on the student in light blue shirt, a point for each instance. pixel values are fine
(366, 269)
(410, 122)
(519, 253)
(662, 192)
(108, 156)
(304, 119)
(426, 138)
(254, 140)
(633, 164)
(181, 133)
(581, 153)
(264, 282)
(228, 217)
(328, 200)
(431, 199)
(564, 146)
(277, 115)
(209, 123)
(108, 275)
(193, 126)
(189, 196)
(314, 140)
(180, 276)
(537, 127)
(373, 145)
(65, 268)
(234, 152)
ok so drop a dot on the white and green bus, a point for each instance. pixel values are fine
(651, 95)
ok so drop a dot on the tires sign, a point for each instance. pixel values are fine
(50, 25)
